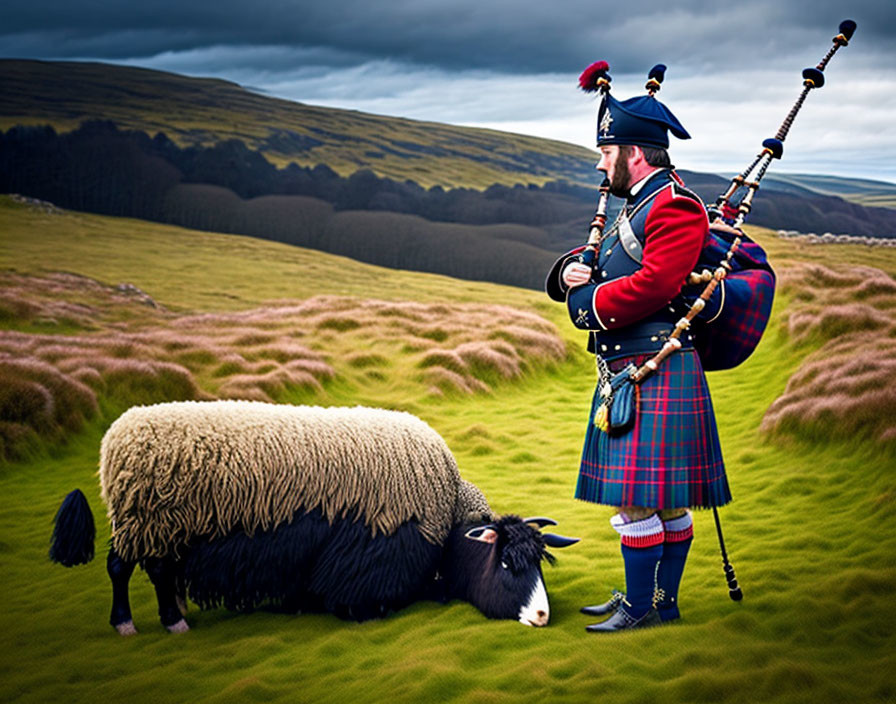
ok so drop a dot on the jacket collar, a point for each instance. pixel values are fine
(649, 185)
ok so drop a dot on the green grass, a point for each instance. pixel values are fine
(810, 530)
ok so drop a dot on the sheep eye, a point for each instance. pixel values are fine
(503, 565)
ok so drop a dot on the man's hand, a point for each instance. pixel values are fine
(723, 226)
(576, 274)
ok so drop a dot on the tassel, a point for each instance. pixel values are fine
(601, 418)
(590, 77)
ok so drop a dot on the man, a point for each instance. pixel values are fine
(670, 459)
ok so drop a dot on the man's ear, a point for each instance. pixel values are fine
(637, 157)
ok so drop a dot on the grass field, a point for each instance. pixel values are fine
(809, 530)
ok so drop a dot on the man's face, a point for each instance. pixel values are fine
(616, 166)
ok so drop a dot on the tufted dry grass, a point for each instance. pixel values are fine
(80, 341)
(844, 388)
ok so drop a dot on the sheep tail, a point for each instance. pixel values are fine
(74, 531)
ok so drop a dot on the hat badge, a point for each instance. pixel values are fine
(605, 121)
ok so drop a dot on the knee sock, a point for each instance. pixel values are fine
(678, 536)
(641, 551)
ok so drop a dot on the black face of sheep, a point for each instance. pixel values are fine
(497, 567)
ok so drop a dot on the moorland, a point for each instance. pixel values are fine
(99, 313)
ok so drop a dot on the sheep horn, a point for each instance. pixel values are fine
(552, 540)
(540, 521)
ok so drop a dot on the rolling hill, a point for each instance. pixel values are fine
(858, 190)
(209, 154)
(204, 112)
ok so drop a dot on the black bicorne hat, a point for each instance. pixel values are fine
(642, 120)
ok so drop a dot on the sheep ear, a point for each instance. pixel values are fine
(484, 534)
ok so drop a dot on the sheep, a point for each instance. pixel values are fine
(352, 511)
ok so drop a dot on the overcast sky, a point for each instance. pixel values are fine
(734, 69)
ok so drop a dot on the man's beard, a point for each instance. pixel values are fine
(619, 184)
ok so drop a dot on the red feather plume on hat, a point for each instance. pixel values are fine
(588, 79)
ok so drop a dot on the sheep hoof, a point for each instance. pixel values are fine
(179, 627)
(126, 629)
(181, 605)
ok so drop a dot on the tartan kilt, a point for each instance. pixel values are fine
(671, 458)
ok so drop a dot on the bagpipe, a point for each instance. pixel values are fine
(730, 294)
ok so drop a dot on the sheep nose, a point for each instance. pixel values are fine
(536, 612)
(538, 619)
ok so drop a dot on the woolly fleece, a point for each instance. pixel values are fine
(175, 471)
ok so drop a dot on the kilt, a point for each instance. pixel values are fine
(671, 457)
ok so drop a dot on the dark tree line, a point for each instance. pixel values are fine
(96, 169)
(229, 188)
(81, 169)
(503, 234)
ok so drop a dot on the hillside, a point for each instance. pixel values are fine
(880, 194)
(502, 234)
(136, 312)
(197, 152)
(205, 112)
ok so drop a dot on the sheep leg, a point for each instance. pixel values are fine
(120, 572)
(181, 591)
(163, 574)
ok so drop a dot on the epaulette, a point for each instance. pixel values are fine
(680, 190)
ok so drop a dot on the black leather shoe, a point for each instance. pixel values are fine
(622, 621)
(607, 607)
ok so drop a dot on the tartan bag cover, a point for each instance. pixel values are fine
(728, 329)
(671, 458)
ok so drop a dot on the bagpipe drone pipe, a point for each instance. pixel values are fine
(737, 310)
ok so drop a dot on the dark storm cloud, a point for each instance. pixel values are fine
(510, 65)
(500, 35)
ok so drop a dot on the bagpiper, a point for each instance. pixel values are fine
(651, 448)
